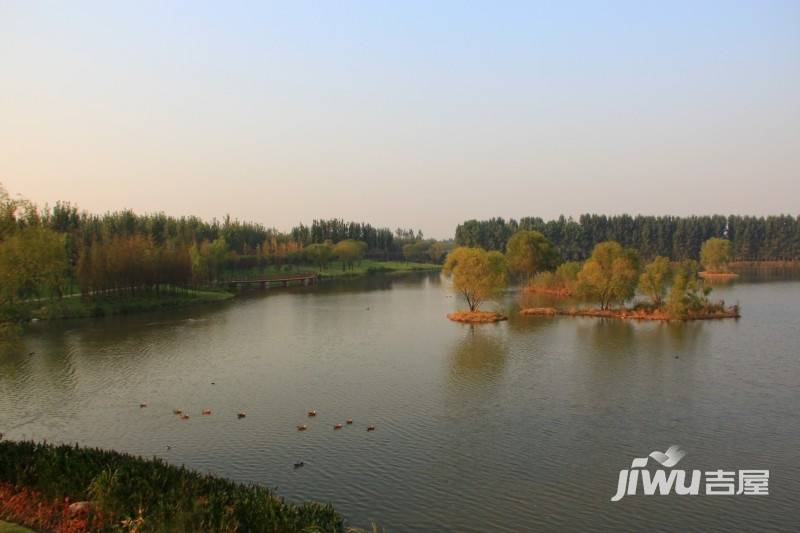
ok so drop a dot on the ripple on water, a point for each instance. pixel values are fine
(516, 426)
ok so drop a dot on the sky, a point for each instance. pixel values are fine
(402, 114)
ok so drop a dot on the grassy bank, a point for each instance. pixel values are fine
(114, 304)
(365, 267)
(123, 303)
(40, 485)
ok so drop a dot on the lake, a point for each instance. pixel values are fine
(518, 426)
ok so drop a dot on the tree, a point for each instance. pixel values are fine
(348, 252)
(715, 254)
(439, 250)
(476, 273)
(686, 293)
(528, 252)
(566, 275)
(319, 254)
(609, 275)
(32, 259)
(653, 281)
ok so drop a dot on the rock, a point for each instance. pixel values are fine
(79, 509)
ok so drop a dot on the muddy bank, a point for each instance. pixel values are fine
(633, 314)
(476, 317)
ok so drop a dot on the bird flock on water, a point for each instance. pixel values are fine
(183, 415)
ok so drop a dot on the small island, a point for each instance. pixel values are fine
(477, 275)
(612, 276)
(715, 255)
(476, 317)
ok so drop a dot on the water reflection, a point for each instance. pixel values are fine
(531, 419)
(478, 358)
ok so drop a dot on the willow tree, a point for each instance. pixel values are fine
(348, 252)
(476, 273)
(654, 279)
(319, 254)
(687, 293)
(609, 275)
(529, 252)
(715, 254)
(33, 259)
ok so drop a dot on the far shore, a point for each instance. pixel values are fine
(712, 276)
(112, 303)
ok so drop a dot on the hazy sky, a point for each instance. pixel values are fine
(413, 114)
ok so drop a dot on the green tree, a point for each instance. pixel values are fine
(610, 274)
(33, 261)
(529, 252)
(349, 252)
(688, 292)
(319, 254)
(654, 278)
(439, 250)
(476, 273)
(715, 254)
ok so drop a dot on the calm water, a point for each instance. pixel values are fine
(517, 426)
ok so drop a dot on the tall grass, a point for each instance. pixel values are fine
(156, 496)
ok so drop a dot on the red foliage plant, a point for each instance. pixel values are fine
(32, 509)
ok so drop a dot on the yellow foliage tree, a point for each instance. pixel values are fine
(476, 273)
(610, 274)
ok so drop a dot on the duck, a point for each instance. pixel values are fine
(349, 421)
(184, 417)
(302, 427)
(241, 415)
(299, 464)
(143, 404)
(370, 428)
(178, 411)
(312, 413)
(206, 412)
(337, 426)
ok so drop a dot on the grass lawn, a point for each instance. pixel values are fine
(117, 304)
(335, 270)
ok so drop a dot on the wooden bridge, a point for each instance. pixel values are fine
(302, 278)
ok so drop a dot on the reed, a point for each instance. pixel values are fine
(151, 495)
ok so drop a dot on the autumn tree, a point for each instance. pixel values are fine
(563, 280)
(715, 254)
(687, 293)
(476, 273)
(439, 250)
(32, 259)
(654, 279)
(609, 275)
(349, 252)
(528, 252)
(319, 254)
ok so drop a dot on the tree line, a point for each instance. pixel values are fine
(45, 252)
(771, 238)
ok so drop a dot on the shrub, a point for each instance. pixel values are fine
(156, 495)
